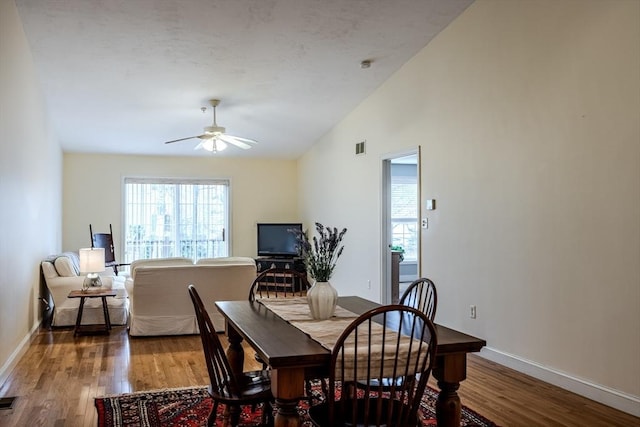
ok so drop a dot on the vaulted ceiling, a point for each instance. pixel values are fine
(124, 76)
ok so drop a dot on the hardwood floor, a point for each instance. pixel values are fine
(57, 379)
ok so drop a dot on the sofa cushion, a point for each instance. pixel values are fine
(48, 270)
(157, 262)
(67, 264)
(226, 260)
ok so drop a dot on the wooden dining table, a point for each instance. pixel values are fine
(289, 352)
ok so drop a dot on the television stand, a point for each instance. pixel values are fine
(292, 263)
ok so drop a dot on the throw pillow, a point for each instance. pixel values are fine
(67, 264)
(64, 267)
(48, 270)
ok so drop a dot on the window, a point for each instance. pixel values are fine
(404, 209)
(175, 218)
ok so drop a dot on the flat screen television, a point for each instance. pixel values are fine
(275, 240)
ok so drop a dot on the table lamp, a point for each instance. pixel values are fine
(91, 263)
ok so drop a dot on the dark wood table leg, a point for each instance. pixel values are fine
(105, 310)
(79, 317)
(235, 355)
(450, 369)
(235, 352)
(288, 387)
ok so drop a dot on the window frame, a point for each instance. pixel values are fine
(227, 239)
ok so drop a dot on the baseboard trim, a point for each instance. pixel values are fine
(607, 396)
(13, 360)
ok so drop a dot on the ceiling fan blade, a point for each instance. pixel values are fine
(245, 140)
(182, 139)
(237, 141)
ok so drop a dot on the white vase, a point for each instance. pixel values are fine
(322, 298)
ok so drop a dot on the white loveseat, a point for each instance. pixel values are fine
(62, 275)
(159, 299)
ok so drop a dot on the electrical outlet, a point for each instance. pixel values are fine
(425, 222)
(472, 311)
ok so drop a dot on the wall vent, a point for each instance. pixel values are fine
(6, 402)
(360, 148)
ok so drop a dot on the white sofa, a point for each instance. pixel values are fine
(159, 299)
(62, 275)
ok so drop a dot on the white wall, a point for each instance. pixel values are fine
(527, 113)
(528, 118)
(30, 189)
(262, 190)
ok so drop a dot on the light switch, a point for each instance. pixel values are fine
(431, 204)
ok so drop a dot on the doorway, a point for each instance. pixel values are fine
(400, 223)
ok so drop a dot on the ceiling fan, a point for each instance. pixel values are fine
(214, 138)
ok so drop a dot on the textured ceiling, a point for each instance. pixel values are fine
(123, 76)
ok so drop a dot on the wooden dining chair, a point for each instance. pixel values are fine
(407, 345)
(251, 388)
(421, 295)
(280, 282)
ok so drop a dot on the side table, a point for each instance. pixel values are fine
(102, 294)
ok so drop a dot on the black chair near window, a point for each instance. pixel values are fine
(105, 241)
(251, 389)
(407, 344)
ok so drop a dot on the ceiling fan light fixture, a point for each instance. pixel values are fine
(221, 145)
(214, 145)
(214, 130)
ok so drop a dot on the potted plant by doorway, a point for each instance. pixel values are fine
(320, 260)
(398, 248)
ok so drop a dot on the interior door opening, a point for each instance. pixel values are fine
(401, 223)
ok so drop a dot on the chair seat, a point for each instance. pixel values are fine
(319, 414)
(255, 386)
(385, 383)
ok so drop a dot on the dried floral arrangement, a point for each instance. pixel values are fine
(320, 257)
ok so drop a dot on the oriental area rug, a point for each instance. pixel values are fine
(190, 407)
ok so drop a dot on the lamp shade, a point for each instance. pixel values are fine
(92, 260)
